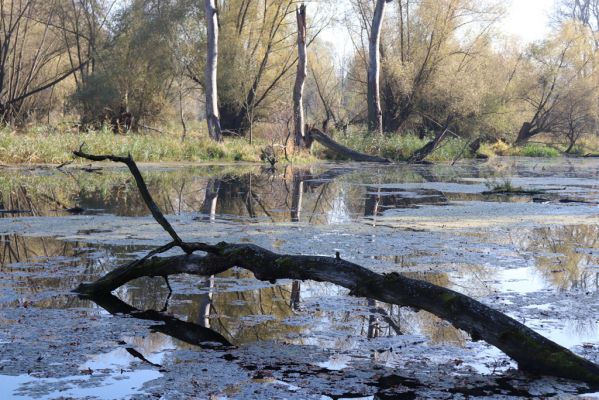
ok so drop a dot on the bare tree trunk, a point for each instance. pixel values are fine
(212, 115)
(375, 115)
(525, 133)
(401, 32)
(182, 115)
(300, 77)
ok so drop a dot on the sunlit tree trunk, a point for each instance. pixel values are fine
(212, 115)
(375, 115)
(300, 77)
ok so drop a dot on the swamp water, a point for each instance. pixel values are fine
(533, 256)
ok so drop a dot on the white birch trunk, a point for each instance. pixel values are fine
(375, 115)
(300, 77)
(212, 115)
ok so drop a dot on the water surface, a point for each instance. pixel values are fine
(533, 256)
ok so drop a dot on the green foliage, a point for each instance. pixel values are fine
(40, 146)
(535, 150)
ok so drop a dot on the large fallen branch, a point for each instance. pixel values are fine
(532, 352)
(328, 142)
(420, 154)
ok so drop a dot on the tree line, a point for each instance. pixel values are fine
(415, 66)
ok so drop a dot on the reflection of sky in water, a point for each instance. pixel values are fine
(572, 333)
(114, 386)
(111, 377)
(339, 213)
(520, 280)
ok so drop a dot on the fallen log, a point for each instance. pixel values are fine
(533, 352)
(329, 143)
(420, 154)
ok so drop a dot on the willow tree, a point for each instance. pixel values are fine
(31, 58)
(558, 68)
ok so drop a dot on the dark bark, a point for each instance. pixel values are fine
(532, 352)
(323, 139)
(420, 154)
(525, 133)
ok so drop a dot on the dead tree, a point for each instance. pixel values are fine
(420, 154)
(533, 352)
(315, 134)
(375, 115)
(212, 115)
(300, 77)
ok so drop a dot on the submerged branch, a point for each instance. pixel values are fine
(532, 352)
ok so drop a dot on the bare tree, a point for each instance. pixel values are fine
(212, 115)
(300, 78)
(30, 55)
(375, 115)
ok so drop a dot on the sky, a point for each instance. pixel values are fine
(528, 19)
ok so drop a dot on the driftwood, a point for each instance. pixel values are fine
(533, 352)
(328, 142)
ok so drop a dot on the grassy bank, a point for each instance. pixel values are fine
(401, 147)
(38, 146)
(44, 144)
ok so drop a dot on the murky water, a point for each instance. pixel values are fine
(534, 256)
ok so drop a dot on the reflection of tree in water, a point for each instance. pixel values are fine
(565, 255)
(36, 265)
(242, 316)
(285, 195)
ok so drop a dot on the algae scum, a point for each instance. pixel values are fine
(532, 254)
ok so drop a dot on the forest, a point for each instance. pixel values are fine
(414, 69)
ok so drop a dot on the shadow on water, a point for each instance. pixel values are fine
(184, 331)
